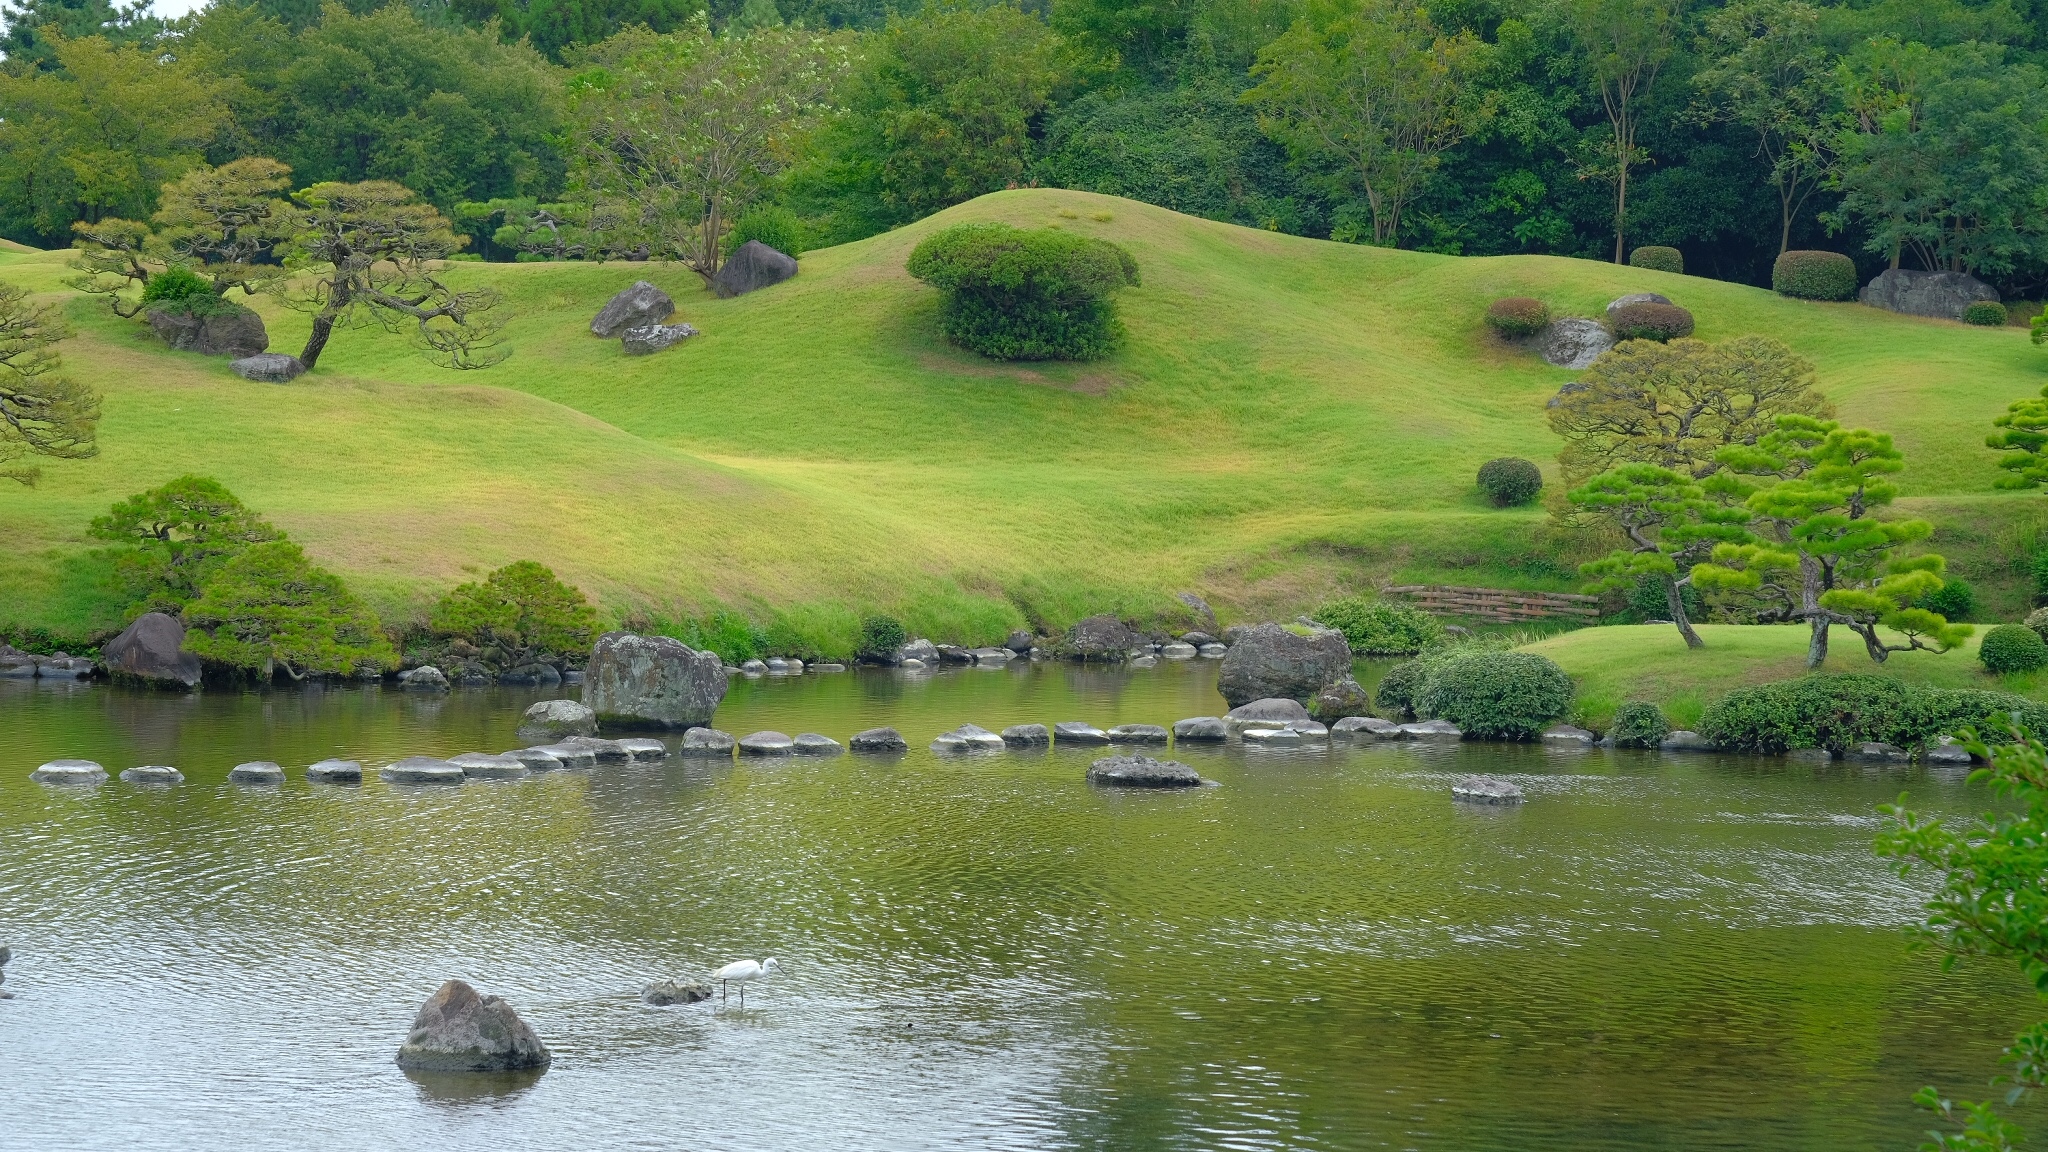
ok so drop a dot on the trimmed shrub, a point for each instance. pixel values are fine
(771, 224)
(1658, 257)
(1495, 695)
(179, 289)
(1396, 691)
(1517, 316)
(2013, 648)
(1378, 628)
(519, 615)
(880, 637)
(2038, 621)
(1955, 600)
(1837, 711)
(1510, 480)
(1812, 275)
(1638, 724)
(1012, 294)
(1985, 314)
(1659, 322)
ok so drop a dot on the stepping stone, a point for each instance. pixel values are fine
(1685, 741)
(813, 744)
(153, 774)
(1137, 734)
(1026, 736)
(256, 772)
(603, 751)
(1367, 728)
(1142, 772)
(1565, 734)
(663, 993)
(337, 772)
(484, 766)
(1946, 751)
(642, 750)
(1076, 732)
(570, 755)
(1178, 651)
(536, 759)
(766, 744)
(69, 772)
(879, 740)
(1486, 790)
(967, 738)
(421, 770)
(707, 742)
(1274, 736)
(1311, 728)
(1201, 730)
(1432, 730)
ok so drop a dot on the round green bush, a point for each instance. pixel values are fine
(1510, 480)
(1378, 628)
(2013, 648)
(1659, 322)
(771, 224)
(1985, 314)
(1812, 275)
(1495, 695)
(179, 289)
(1658, 257)
(1638, 724)
(2038, 621)
(1517, 316)
(880, 637)
(1012, 294)
(1955, 600)
(1395, 693)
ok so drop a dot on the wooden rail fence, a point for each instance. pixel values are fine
(1505, 605)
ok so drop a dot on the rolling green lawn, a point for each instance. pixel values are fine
(1290, 418)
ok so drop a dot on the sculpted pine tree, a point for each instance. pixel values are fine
(518, 615)
(2023, 431)
(42, 411)
(179, 534)
(222, 224)
(270, 609)
(1671, 524)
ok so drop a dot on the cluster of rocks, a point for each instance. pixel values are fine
(638, 318)
(18, 665)
(571, 752)
(1944, 750)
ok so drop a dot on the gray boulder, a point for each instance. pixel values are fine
(544, 675)
(268, 368)
(1685, 741)
(879, 740)
(1565, 734)
(486, 766)
(967, 738)
(1197, 639)
(151, 651)
(643, 751)
(1274, 736)
(815, 744)
(602, 751)
(1946, 751)
(1026, 736)
(1876, 751)
(1178, 651)
(652, 338)
(1432, 730)
(1101, 637)
(458, 1030)
(568, 755)
(425, 678)
(335, 772)
(1486, 790)
(1939, 294)
(1018, 642)
(1142, 772)
(1078, 732)
(1340, 699)
(992, 657)
(231, 331)
(753, 668)
(707, 742)
(1137, 734)
(556, 719)
(1620, 302)
(16, 664)
(919, 649)
(1573, 343)
(1201, 730)
(652, 682)
(1310, 728)
(1213, 651)
(1799, 755)
(954, 654)
(1367, 728)
(752, 267)
(69, 772)
(62, 667)
(256, 772)
(536, 759)
(421, 770)
(664, 993)
(1234, 633)
(153, 774)
(1272, 661)
(766, 744)
(1276, 712)
(640, 306)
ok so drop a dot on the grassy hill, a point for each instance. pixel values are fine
(1290, 418)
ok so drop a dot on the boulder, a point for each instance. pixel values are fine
(256, 772)
(1026, 736)
(59, 666)
(151, 651)
(912, 664)
(555, 719)
(1141, 772)
(16, 664)
(814, 744)
(753, 668)
(828, 667)
(652, 682)
(1234, 633)
(878, 740)
(1101, 637)
(1340, 699)
(1277, 712)
(753, 266)
(601, 751)
(663, 993)
(1367, 728)
(920, 649)
(1432, 730)
(1213, 651)
(268, 368)
(569, 755)
(1272, 661)
(766, 744)
(1810, 755)
(335, 772)
(1137, 734)
(954, 654)
(1573, 343)
(643, 751)
(1946, 751)
(1565, 734)
(228, 330)
(707, 742)
(1146, 661)
(1620, 302)
(1939, 294)
(648, 339)
(1309, 728)
(640, 306)
(458, 1030)
(1078, 732)
(421, 770)
(1018, 642)
(1684, 741)
(1486, 790)
(536, 759)
(1876, 751)
(426, 678)
(153, 774)
(486, 766)
(1201, 730)
(967, 738)
(1197, 639)
(69, 772)
(1272, 736)
(1178, 651)
(545, 675)
(992, 657)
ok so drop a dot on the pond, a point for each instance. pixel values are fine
(1322, 951)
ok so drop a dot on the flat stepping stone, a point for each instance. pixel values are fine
(1142, 772)
(1877, 751)
(1201, 730)
(1947, 751)
(994, 657)
(707, 742)
(828, 667)
(1179, 651)
(153, 774)
(1271, 736)
(69, 772)
(1026, 736)
(814, 744)
(879, 740)
(664, 993)
(256, 772)
(486, 766)
(421, 770)
(1432, 730)
(766, 744)
(336, 772)
(536, 759)
(967, 738)
(1367, 728)
(570, 755)
(603, 751)
(1272, 712)
(1486, 790)
(1137, 734)
(1684, 741)
(1076, 732)
(642, 750)
(1212, 651)
(1566, 734)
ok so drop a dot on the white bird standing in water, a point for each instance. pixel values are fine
(740, 972)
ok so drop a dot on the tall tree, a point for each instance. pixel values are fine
(34, 28)
(1380, 93)
(1770, 72)
(1624, 45)
(42, 411)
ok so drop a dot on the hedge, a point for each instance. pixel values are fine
(1378, 628)
(2013, 648)
(1518, 316)
(1510, 480)
(1638, 724)
(1839, 711)
(1985, 314)
(1658, 257)
(1650, 321)
(1013, 294)
(1813, 275)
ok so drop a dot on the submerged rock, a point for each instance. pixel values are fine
(1486, 790)
(1947, 751)
(421, 770)
(1432, 730)
(663, 993)
(256, 772)
(1566, 734)
(879, 740)
(569, 755)
(1875, 750)
(1026, 736)
(1274, 736)
(1078, 732)
(336, 772)
(1367, 727)
(1141, 772)
(1137, 734)
(967, 738)
(425, 678)
(1201, 730)
(1684, 741)
(458, 1030)
(642, 750)
(1278, 712)
(536, 759)
(486, 766)
(815, 744)
(153, 774)
(766, 744)
(601, 751)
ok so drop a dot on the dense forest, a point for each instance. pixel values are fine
(1903, 132)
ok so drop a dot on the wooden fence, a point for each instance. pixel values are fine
(1505, 605)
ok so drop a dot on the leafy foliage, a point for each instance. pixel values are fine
(1659, 258)
(1398, 687)
(1955, 599)
(270, 609)
(42, 411)
(2024, 433)
(771, 224)
(1839, 711)
(880, 637)
(1016, 294)
(1650, 321)
(2013, 648)
(1510, 480)
(1638, 724)
(1495, 695)
(517, 616)
(1810, 275)
(1518, 316)
(1985, 314)
(177, 536)
(1380, 628)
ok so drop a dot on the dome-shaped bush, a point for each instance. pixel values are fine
(1017, 294)
(2013, 648)
(1510, 480)
(1395, 692)
(1659, 322)
(1813, 275)
(1985, 314)
(1658, 257)
(1495, 695)
(1638, 724)
(1518, 316)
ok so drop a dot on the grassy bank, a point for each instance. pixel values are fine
(1291, 419)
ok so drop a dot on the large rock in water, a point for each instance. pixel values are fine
(268, 368)
(458, 1030)
(151, 651)
(1941, 294)
(1100, 638)
(754, 266)
(1274, 661)
(231, 331)
(1573, 343)
(1341, 699)
(640, 306)
(652, 682)
(556, 719)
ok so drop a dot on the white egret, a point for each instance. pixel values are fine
(740, 972)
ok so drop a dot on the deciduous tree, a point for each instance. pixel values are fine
(1624, 45)
(1771, 73)
(42, 411)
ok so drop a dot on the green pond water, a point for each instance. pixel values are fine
(1321, 951)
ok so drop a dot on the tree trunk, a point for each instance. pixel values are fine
(1784, 222)
(1816, 616)
(323, 327)
(1620, 207)
(1676, 602)
(1871, 644)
